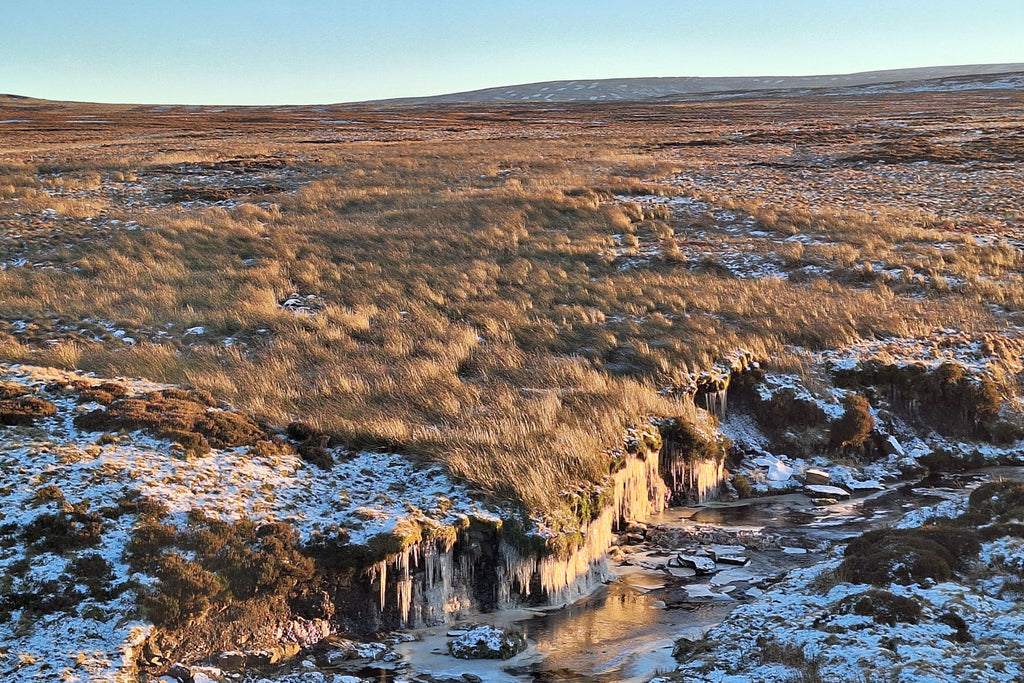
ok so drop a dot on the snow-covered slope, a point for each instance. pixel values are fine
(946, 78)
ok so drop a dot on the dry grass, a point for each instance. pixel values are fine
(468, 301)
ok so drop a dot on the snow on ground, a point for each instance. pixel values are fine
(366, 495)
(851, 647)
(977, 354)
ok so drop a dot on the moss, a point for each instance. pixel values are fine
(565, 544)
(683, 442)
(586, 506)
(518, 534)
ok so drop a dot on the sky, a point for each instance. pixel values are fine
(322, 51)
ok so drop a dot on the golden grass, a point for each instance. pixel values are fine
(471, 308)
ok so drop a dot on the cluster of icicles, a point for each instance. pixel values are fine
(701, 478)
(639, 492)
(438, 560)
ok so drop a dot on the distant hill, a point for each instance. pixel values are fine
(940, 78)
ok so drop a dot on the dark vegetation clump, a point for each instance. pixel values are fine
(44, 598)
(686, 650)
(854, 427)
(9, 391)
(105, 393)
(132, 503)
(93, 571)
(945, 460)
(186, 417)
(773, 651)
(786, 408)
(186, 591)
(905, 556)
(50, 493)
(312, 444)
(882, 606)
(998, 501)
(945, 398)
(681, 441)
(742, 485)
(25, 410)
(962, 634)
(231, 563)
(66, 530)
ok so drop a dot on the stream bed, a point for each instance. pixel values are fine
(626, 630)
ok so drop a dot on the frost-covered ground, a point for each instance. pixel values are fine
(798, 627)
(49, 466)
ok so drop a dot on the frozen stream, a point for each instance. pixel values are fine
(626, 631)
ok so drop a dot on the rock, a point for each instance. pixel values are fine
(701, 565)
(636, 528)
(260, 658)
(487, 642)
(795, 551)
(779, 471)
(152, 655)
(472, 678)
(820, 491)
(735, 560)
(815, 476)
(893, 447)
(718, 551)
(634, 539)
(179, 672)
(313, 605)
(682, 572)
(203, 677)
(232, 661)
(456, 633)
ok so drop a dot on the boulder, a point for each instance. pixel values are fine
(636, 528)
(779, 471)
(893, 447)
(735, 560)
(821, 491)
(487, 642)
(815, 476)
(682, 572)
(698, 563)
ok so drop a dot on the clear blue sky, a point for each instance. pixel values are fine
(318, 51)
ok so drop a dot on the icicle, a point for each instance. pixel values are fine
(379, 572)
